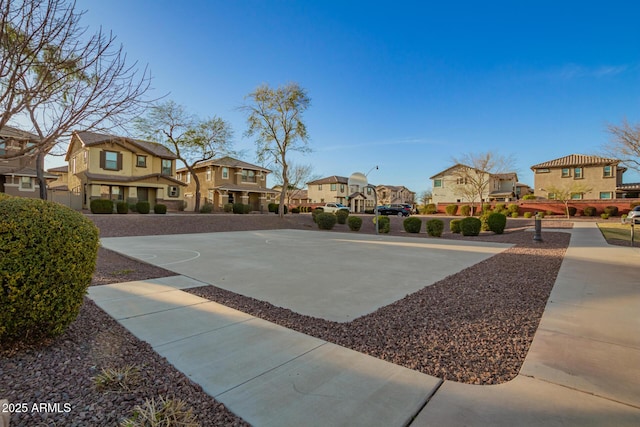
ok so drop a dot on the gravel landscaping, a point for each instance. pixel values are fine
(474, 326)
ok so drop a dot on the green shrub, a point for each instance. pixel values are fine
(529, 197)
(430, 209)
(611, 210)
(484, 220)
(241, 208)
(160, 209)
(497, 222)
(454, 226)
(342, 216)
(48, 257)
(326, 220)
(101, 206)
(295, 210)
(132, 207)
(572, 210)
(143, 207)
(514, 214)
(451, 209)
(272, 207)
(604, 215)
(315, 213)
(465, 210)
(412, 224)
(435, 227)
(122, 207)
(589, 211)
(208, 208)
(470, 226)
(499, 207)
(384, 224)
(512, 208)
(228, 207)
(486, 207)
(354, 223)
(528, 214)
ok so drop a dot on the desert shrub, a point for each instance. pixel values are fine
(528, 197)
(512, 208)
(354, 223)
(465, 210)
(326, 220)
(122, 207)
(272, 207)
(604, 215)
(611, 210)
(208, 208)
(484, 220)
(412, 224)
(101, 206)
(435, 227)
(228, 207)
(163, 412)
(515, 214)
(528, 214)
(295, 210)
(241, 208)
(384, 224)
(499, 207)
(451, 209)
(430, 209)
(342, 216)
(454, 226)
(470, 226)
(572, 210)
(143, 207)
(486, 207)
(497, 222)
(48, 257)
(589, 211)
(160, 209)
(315, 213)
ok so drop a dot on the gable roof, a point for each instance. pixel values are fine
(333, 179)
(576, 160)
(230, 162)
(90, 139)
(15, 133)
(506, 175)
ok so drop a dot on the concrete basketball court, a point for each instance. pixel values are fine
(334, 276)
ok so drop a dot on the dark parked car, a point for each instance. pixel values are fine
(393, 210)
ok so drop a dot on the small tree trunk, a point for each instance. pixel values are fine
(40, 176)
(196, 180)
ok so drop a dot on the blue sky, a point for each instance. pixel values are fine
(406, 86)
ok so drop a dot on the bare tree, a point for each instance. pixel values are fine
(565, 193)
(275, 119)
(425, 197)
(473, 173)
(625, 144)
(299, 175)
(57, 77)
(192, 139)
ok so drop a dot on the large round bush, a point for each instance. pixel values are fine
(451, 209)
(354, 222)
(470, 226)
(143, 207)
(341, 216)
(47, 257)
(384, 224)
(435, 227)
(454, 226)
(412, 224)
(326, 220)
(101, 206)
(497, 222)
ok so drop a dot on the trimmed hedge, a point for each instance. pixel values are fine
(101, 206)
(208, 208)
(160, 209)
(412, 224)
(572, 210)
(589, 211)
(435, 227)
(430, 209)
(342, 216)
(497, 222)
(241, 208)
(451, 209)
(143, 207)
(470, 226)
(384, 224)
(48, 257)
(354, 223)
(315, 213)
(122, 207)
(528, 214)
(611, 210)
(465, 210)
(326, 220)
(454, 225)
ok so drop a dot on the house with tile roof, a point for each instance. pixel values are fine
(601, 175)
(228, 180)
(123, 169)
(396, 194)
(335, 189)
(18, 175)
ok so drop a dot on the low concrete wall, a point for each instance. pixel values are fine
(544, 205)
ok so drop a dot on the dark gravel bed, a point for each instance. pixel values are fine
(474, 326)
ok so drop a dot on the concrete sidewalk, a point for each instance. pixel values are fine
(583, 367)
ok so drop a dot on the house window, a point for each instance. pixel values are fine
(320, 187)
(333, 187)
(606, 195)
(174, 191)
(3, 147)
(248, 176)
(551, 196)
(225, 173)
(566, 172)
(607, 172)
(576, 196)
(26, 183)
(577, 173)
(437, 183)
(166, 166)
(463, 181)
(208, 175)
(111, 160)
(368, 191)
(141, 161)
(73, 164)
(342, 188)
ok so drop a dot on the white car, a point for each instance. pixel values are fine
(634, 215)
(334, 207)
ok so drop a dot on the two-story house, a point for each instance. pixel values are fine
(18, 175)
(228, 180)
(601, 176)
(461, 184)
(335, 189)
(394, 194)
(119, 168)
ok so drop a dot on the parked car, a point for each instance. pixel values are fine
(634, 215)
(405, 206)
(333, 207)
(390, 210)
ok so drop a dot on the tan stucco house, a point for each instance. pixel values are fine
(228, 180)
(102, 166)
(335, 189)
(450, 186)
(601, 175)
(389, 194)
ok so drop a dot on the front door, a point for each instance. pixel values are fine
(143, 194)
